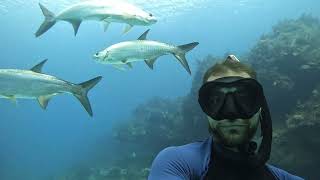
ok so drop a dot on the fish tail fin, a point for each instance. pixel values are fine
(188, 47)
(48, 22)
(82, 95)
(181, 54)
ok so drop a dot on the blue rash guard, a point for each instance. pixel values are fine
(191, 161)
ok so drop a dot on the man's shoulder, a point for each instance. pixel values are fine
(191, 152)
(183, 161)
(282, 174)
(194, 151)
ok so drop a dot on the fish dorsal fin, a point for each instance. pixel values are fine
(38, 68)
(144, 35)
(76, 24)
(44, 100)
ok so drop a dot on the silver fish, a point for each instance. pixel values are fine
(125, 53)
(106, 11)
(33, 84)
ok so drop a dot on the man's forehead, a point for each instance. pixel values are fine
(228, 74)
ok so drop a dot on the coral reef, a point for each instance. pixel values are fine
(158, 117)
(288, 63)
(296, 147)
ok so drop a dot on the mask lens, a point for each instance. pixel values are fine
(214, 102)
(249, 97)
(239, 98)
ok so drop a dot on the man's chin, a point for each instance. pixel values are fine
(234, 137)
(234, 140)
(233, 134)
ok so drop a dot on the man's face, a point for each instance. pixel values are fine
(237, 131)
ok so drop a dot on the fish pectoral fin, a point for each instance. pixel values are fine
(127, 28)
(38, 68)
(76, 24)
(106, 25)
(144, 35)
(150, 62)
(129, 65)
(119, 67)
(44, 100)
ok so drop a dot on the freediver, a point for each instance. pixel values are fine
(235, 105)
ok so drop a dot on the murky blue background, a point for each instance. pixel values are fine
(35, 144)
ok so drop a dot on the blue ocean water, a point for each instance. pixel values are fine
(36, 144)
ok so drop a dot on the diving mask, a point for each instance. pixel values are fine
(231, 98)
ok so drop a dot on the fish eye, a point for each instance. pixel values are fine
(97, 54)
(150, 14)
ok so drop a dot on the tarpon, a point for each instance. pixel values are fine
(33, 84)
(142, 50)
(106, 11)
